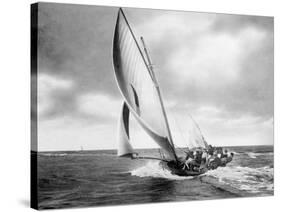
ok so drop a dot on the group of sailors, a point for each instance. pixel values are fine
(208, 158)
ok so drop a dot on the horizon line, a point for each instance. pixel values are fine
(79, 150)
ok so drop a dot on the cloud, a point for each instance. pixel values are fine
(99, 105)
(48, 87)
(214, 59)
(75, 42)
(216, 67)
(171, 24)
(59, 98)
(234, 23)
(220, 127)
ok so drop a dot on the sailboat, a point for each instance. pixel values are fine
(140, 89)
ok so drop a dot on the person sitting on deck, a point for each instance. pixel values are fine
(230, 157)
(189, 161)
(210, 149)
(210, 153)
(215, 160)
(197, 160)
(224, 154)
(188, 153)
(198, 157)
(227, 159)
(219, 154)
(204, 159)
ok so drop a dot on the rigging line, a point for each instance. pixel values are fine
(160, 99)
(197, 127)
(195, 124)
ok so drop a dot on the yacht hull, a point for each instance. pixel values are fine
(178, 169)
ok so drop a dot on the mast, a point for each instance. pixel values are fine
(150, 66)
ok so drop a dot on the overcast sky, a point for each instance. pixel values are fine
(216, 67)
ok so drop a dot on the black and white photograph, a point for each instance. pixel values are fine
(134, 106)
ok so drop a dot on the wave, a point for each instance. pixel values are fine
(236, 153)
(154, 169)
(253, 154)
(253, 180)
(256, 154)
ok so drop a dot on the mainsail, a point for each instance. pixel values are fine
(136, 83)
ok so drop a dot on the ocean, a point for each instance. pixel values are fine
(100, 178)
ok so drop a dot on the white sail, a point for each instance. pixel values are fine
(196, 138)
(124, 146)
(137, 86)
(186, 131)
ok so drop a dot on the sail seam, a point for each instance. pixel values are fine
(136, 43)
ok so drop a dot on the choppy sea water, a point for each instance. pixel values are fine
(96, 178)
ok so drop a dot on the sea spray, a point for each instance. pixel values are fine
(154, 169)
(252, 180)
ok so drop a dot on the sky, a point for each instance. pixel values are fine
(216, 67)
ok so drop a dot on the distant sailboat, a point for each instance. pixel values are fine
(142, 97)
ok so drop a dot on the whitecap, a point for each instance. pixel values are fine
(257, 154)
(154, 169)
(253, 180)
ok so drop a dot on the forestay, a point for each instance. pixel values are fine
(137, 87)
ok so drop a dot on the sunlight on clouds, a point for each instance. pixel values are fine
(178, 26)
(97, 104)
(214, 56)
(47, 86)
(200, 54)
(216, 59)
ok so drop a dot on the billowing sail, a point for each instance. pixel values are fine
(196, 139)
(186, 131)
(137, 86)
(124, 146)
